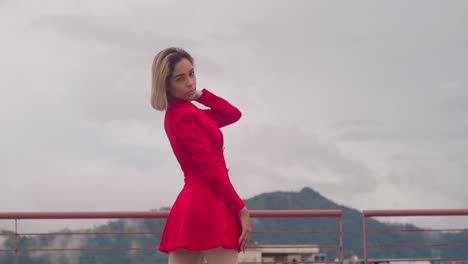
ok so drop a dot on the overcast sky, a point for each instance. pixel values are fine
(363, 101)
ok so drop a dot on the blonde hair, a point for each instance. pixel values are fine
(163, 67)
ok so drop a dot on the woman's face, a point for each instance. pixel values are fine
(182, 82)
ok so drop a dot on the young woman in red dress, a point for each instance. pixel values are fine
(208, 219)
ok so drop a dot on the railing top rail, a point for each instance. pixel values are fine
(296, 213)
(158, 214)
(415, 212)
(83, 215)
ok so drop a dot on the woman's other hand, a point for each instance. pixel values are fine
(198, 93)
(246, 228)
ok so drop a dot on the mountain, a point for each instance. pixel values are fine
(307, 198)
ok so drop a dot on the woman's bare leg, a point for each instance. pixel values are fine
(221, 255)
(184, 256)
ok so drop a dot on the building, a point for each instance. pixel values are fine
(282, 253)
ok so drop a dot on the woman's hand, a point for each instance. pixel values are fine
(246, 228)
(198, 93)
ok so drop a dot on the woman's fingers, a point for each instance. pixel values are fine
(244, 240)
(241, 238)
(246, 228)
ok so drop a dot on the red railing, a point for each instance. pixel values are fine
(402, 213)
(16, 216)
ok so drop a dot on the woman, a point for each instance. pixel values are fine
(208, 219)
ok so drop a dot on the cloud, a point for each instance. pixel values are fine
(87, 28)
(278, 155)
(453, 97)
(430, 176)
(343, 98)
(86, 185)
(437, 117)
(135, 134)
(409, 196)
(405, 136)
(354, 124)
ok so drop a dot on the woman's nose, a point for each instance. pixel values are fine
(189, 82)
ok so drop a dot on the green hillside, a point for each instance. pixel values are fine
(352, 225)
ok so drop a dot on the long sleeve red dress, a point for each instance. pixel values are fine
(205, 214)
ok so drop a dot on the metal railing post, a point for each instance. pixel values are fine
(16, 241)
(364, 237)
(341, 240)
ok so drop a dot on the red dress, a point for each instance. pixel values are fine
(205, 214)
